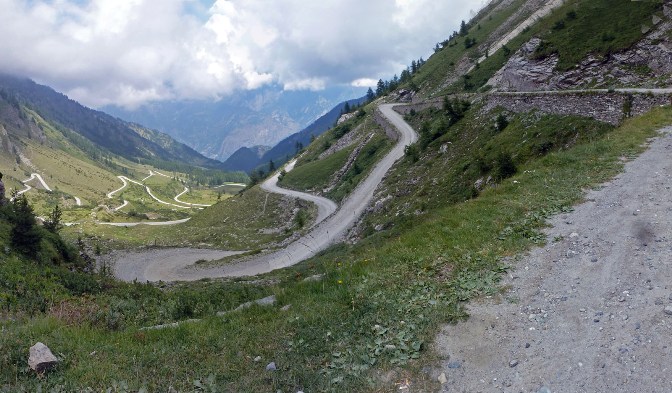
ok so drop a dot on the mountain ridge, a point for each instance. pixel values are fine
(248, 118)
(108, 132)
(243, 159)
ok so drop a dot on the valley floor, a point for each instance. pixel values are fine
(591, 311)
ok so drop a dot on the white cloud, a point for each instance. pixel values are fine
(127, 52)
(364, 82)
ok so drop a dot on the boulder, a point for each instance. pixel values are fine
(267, 301)
(41, 359)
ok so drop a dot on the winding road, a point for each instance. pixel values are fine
(325, 207)
(149, 266)
(150, 223)
(186, 190)
(33, 176)
(125, 180)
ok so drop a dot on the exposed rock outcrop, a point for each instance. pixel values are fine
(607, 107)
(647, 64)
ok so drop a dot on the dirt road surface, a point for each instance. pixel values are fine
(135, 262)
(591, 311)
(325, 207)
(329, 231)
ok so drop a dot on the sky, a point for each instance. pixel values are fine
(130, 52)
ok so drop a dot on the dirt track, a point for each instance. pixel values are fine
(591, 311)
(325, 207)
(151, 267)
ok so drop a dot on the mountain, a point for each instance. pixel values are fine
(250, 118)
(107, 132)
(244, 160)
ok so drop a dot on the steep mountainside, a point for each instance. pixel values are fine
(250, 118)
(103, 130)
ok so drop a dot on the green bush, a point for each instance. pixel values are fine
(504, 165)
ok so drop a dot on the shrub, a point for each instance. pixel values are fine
(412, 152)
(505, 166)
(53, 221)
(501, 123)
(301, 218)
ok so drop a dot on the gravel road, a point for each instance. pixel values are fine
(171, 259)
(591, 312)
(329, 231)
(149, 223)
(325, 207)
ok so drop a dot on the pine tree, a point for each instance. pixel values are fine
(380, 88)
(53, 222)
(25, 234)
(370, 95)
(464, 30)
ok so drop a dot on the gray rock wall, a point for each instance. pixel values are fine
(389, 129)
(605, 107)
(602, 106)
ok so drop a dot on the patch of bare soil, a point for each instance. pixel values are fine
(591, 311)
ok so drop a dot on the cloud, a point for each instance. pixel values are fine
(127, 52)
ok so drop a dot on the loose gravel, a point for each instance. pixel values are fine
(591, 311)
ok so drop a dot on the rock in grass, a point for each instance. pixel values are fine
(271, 366)
(267, 301)
(41, 359)
(314, 278)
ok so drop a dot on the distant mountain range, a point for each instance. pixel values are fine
(127, 140)
(217, 129)
(246, 159)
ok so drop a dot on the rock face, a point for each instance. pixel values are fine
(523, 74)
(605, 107)
(646, 64)
(41, 359)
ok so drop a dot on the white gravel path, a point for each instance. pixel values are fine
(325, 207)
(591, 312)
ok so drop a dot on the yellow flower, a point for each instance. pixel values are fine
(340, 281)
